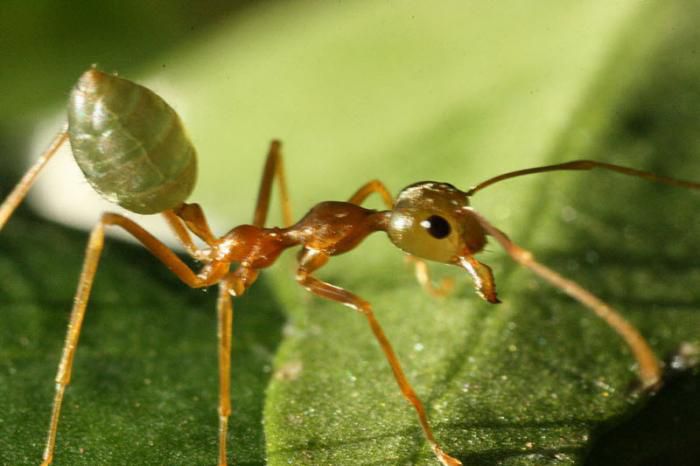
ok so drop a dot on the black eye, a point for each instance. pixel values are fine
(437, 226)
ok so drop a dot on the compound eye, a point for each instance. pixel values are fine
(436, 226)
(427, 234)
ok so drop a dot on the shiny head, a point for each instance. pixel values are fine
(430, 220)
(433, 221)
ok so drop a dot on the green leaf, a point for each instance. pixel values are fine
(401, 92)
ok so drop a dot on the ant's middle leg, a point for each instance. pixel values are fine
(224, 318)
(422, 273)
(235, 283)
(93, 252)
(309, 262)
(374, 186)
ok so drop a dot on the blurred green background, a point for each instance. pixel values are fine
(400, 91)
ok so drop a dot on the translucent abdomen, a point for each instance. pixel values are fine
(130, 144)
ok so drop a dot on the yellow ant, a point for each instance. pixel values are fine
(133, 150)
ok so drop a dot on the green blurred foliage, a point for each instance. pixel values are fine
(45, 44)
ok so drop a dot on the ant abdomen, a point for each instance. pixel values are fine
(130, 144)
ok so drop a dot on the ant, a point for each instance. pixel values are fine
(133, 150)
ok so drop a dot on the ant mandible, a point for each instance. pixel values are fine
(133, 150)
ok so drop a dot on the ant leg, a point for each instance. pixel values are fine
(484, 284)
(235, 283)
(193, 216)
(20, 191)
(312, 260)
(82, 295)
(187, 218)
(209, 275)
(224, 306)
(588, 165)
(273, 166)
(224, 318)
(421, 269)
(649, 367)
(423, 278)
(181, 232)
(374, 186)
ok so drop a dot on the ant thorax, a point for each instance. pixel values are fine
(334, 227)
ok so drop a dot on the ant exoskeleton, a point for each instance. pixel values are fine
(132, 148)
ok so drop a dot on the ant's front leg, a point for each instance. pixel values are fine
(648, 364)
(310, 261)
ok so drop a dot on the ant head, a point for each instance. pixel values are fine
(431, 220)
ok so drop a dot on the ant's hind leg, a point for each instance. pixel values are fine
(20, 191)
(92, 257)
(311, 261)
(82, 295)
